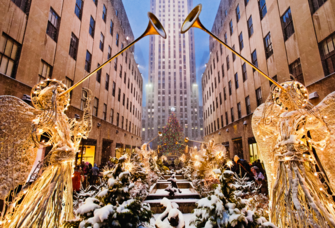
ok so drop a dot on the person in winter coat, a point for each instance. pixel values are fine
(95, 173)
(76, 179)
(260, 179)
(244, 167)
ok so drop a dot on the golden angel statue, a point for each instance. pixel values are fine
(296, 143)
(23, 129)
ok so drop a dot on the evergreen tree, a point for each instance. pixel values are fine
(171, 134)
(226, 210)
(114, 207)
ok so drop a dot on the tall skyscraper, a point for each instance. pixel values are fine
(172, 78)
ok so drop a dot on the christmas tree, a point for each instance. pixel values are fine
(172, 135)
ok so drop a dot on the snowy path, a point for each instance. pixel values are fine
(186, 199)
(187, 218)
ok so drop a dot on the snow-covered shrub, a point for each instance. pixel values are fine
(114, 206)
(224, 209)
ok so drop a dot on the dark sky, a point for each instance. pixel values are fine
(137, 15)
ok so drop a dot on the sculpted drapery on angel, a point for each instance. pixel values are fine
(24, 129)
(296, 143)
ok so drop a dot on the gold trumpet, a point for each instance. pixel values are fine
(154, 28)
(192, 20)
(159, 134)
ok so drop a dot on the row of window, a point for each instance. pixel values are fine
(124, 125)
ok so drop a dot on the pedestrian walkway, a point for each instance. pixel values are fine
(186, 199)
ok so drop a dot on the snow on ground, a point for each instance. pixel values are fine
(187, 218)
(184, 191)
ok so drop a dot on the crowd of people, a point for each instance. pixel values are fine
(85, 175)
(254, 171)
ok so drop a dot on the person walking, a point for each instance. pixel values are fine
(95, 173)
(244, 167)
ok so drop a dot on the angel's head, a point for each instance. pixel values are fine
(295, 96)
(45, 95)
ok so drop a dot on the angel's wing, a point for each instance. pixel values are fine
(326, 108)
(17, 149)
(264, 127)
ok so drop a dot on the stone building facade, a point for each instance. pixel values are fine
(65, 40)
(282, 38)
(172, 78)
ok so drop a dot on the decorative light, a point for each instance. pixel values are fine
(229, 164)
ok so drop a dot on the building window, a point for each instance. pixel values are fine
(226, 38)
(239, 112)
(92, 26)
(274, 78)
(53, 25)
(115, 64)
(83, 99)
(287, 24)
(254, 58)
(227, 60)
(316, 4)
(44, 72)
(296, 71)
(222, 123)
(268, 45)
(104, 13)
(117, 39)
(107, 82)
(240, 39)
(102, 41)
(259, 96)
(262, 8)
(119, 95)
(236, 81)
(328, 54)
(9, 56)
(79, 8)
(109, 55)
(104, 113)
(224, 93)
(222, 69)
(111, 28)
(231, 29)
(238, 15)
(247, 105)
(69, 83)
(88, 61)
(244, 72)
(114, 88)
(232, 114)
(234, 56)
(220, 99)
(73, 46)
(229, 84)
(226, 115)
(117, 119)
(98, 74)
(124, 99)
(95, 106)
(112, 116)
(24, 5)
(250, 26)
